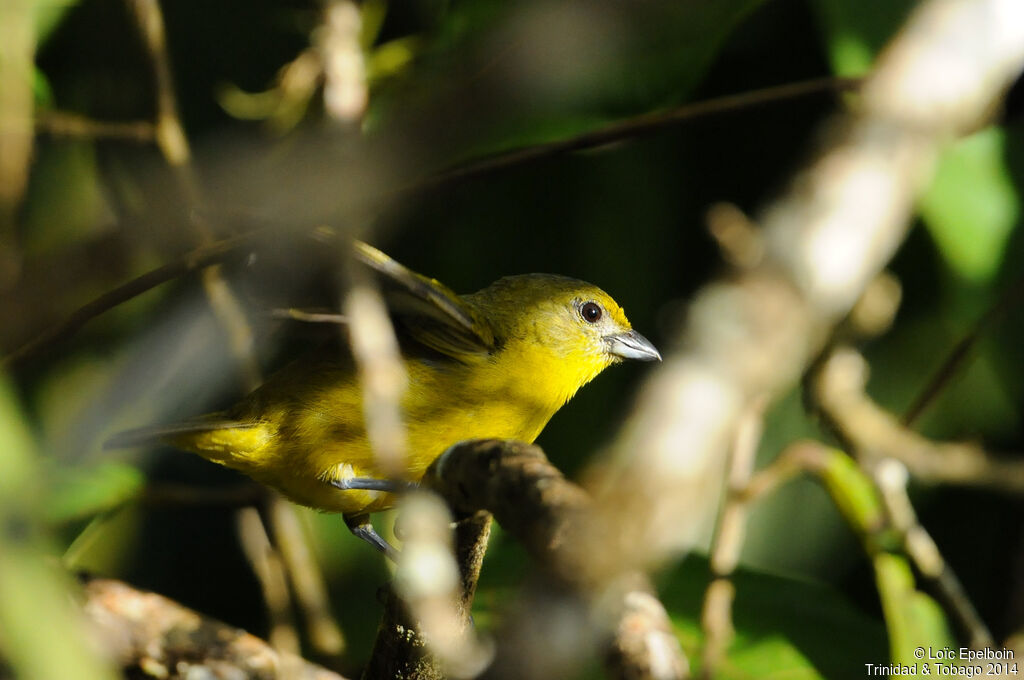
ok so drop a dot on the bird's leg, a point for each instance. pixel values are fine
(361, 527)
(371, 484)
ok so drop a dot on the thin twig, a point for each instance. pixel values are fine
(891, 477)
(800, 456)
(633, 128)
(267, 566)
(173, 144)
(67, 124)
(874, 433)
(199, 258)
(958, 356)
(220, 250)
(306, 578)
(716, 619)
(309, 317)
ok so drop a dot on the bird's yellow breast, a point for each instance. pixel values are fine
(302, 436)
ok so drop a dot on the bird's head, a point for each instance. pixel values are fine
(575, 326)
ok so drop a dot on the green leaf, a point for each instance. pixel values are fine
(972, 207)
(785, 628)
(35, 596)
(855, 30)
(914, 619)
(48, 15)
(541, 72)
(80, 492)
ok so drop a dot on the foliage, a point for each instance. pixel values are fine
(450, 82)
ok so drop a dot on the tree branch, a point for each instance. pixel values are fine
(219, 251)
(826, 238)
(153, 636)
(875, 434)
(533, 501)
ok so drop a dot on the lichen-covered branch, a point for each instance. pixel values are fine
(153, 636)
(425, 633)
(534, 502)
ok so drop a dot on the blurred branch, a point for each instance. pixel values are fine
(382, 376)
(912, 621)
(152, 636)
(885, 447)
(66, 124)
(891, 478)
(631, 128)
(826, 238)
(173, 144)
(201, 257)
(306, 578)
(716, 619)
(308, 316)
(426, 631)
(218, 251)
(875, 434)
(269, 570)
(533, 501)
(337, 43)
(170, 135)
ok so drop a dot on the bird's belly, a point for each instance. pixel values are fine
(302, 464)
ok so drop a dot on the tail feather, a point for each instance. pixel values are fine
(154, 434)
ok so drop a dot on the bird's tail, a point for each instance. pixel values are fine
(173, 433)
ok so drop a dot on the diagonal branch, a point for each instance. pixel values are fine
(623, 130)
(217, 252)
(533, 501)
(152, 636)
(825, 239)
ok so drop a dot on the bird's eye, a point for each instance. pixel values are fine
(591, 312)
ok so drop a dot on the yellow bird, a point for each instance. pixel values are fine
(496, 363)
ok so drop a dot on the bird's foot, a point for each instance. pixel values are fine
(360, 526)
(371, 484)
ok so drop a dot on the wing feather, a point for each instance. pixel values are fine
(430, 311)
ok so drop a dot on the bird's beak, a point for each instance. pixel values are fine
(632, 345)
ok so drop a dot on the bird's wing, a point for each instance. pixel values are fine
(431, 312)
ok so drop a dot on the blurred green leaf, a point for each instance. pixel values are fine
(391, 58)
(855, 30)
(48, 15)
(785, 628)
(41, 90)
(553, 70)
(972, 206)
(70, 206)
(41, 635)
(914, 619)
(80, 492)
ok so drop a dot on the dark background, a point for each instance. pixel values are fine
(628, 216)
